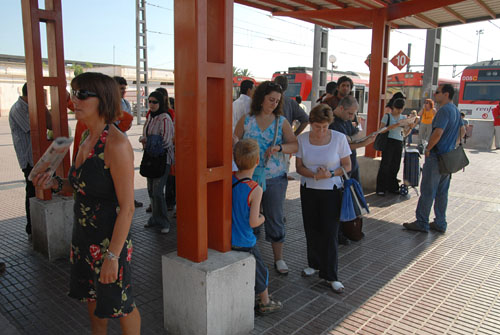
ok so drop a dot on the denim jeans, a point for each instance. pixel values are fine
(434, 189)
(272, 206)
(30, 193)
(156, 192)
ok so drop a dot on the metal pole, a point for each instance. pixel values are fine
(316, 64)
(137, 62)
(478, 33)
(409, 56)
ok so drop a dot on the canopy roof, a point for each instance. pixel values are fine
(401, 13)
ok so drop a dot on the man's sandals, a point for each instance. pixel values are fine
(271, 307)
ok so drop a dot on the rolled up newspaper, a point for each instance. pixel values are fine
(52, 157)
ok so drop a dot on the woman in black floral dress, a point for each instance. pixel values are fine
(102, 178)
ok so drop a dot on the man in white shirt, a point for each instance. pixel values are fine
(241, 106)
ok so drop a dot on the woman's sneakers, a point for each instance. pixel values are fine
(308, 272)
(336, 286)
(281, 267)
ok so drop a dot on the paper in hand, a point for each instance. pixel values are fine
(52, 157)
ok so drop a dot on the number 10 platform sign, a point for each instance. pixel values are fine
(400, 60)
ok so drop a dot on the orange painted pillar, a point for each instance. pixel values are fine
(378, 74)
(203, 81)
(37, 82)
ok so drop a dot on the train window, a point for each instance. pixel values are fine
(482, 91)
(293, 90)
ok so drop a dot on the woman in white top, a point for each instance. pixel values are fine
(322, 155)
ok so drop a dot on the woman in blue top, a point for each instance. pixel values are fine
(275, 137)
(391, 155)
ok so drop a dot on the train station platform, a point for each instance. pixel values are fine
(396, 281)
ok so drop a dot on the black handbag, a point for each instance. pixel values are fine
(381, 139)
(154, 159)
(453, 161)
(153, 166)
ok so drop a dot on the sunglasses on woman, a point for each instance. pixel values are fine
(153, 102)
(83, 94)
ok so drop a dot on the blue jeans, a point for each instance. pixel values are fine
(156, 187)
(272, 206)
(434, 188)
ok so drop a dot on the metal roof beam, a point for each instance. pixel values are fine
(351, 14)
(486, 8)
(308, 4)
(360, 3)
(426, 20)
(412, 7)
(380, 2)
(337, 3)
(279, 4)
(368, 4)
(455, 14)
(252, 4)
(331, 24)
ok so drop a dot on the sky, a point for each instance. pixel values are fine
(104, 31)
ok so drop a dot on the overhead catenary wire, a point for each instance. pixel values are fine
(158, 6)
(493, 24)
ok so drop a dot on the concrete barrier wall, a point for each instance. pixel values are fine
(482, 135)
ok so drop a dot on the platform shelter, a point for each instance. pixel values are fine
(203, 77)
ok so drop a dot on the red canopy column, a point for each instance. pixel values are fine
(378, 73)
(55, 82)
(203, 79)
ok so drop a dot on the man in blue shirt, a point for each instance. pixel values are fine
(447, 126)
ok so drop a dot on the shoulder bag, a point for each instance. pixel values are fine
(154, 158)
(453, 161)
(381, 139)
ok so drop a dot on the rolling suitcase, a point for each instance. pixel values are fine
(411, 170)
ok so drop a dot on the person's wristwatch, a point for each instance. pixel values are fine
(59, 185)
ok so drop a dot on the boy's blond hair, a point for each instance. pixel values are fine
(246, 154)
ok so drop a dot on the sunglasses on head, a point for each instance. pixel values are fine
(274, 85)
(83, 94)
(153, 101)
(437, 92)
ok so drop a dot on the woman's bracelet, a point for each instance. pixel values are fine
(111, 256)
(59, 185)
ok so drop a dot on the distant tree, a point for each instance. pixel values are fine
(89, 65)
(245, 73)
(77, 69)
(236, 71)
(241, 72)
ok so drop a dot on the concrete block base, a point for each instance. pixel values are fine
(52, 225)
(368, 170)
(482, 135)
(212, 297)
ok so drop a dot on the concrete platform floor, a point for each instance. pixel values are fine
(397, 282)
